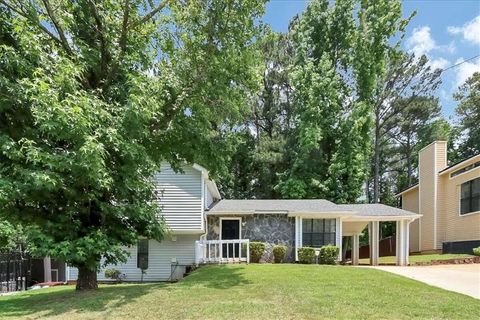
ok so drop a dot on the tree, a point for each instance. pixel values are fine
(468, 112)
(405, 79)
(94, 95)
(260, 143)
(417, 123)
(340, 53)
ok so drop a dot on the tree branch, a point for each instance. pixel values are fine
(58, 27)
(152, 13)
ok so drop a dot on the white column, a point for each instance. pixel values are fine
(355, 249)
(47, 269)
(339, 236)
(297, 237)
(402, 245)
(373, 233)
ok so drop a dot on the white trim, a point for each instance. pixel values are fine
(459, 199)
(458, 165)
(407, 190)
(67, 272)
(469, 214)
(381, 218)
(239, 226)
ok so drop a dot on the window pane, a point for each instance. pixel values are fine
(465, 206)
(330, 225)
(306, 239)
(465, 192)
(307, 225)
(317, 225)
(142, 254)
(476, 187)
(475, 204)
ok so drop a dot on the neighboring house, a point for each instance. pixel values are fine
(448, 198)
(204, 228)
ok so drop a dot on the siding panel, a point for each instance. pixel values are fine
(180, 198)
(160, 257)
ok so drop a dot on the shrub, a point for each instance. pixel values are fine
(279, 253)
(113, 274)
(306, 255)
(476, 251)
(256, 251)
(329, 254)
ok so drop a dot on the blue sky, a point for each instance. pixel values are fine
(447, 31)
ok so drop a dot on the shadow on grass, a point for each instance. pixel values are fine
(61, 300)
(217, 277)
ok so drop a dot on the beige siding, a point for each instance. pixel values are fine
(160, 255)
(410, 203)
(456, 227)
(180, 198)
(427, 196)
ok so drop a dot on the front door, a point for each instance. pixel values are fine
(230, 231)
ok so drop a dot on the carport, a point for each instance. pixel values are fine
(371, 215)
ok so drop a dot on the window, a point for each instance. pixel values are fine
(142, 254)
(470, 196)
(318, 232)
(467, 168)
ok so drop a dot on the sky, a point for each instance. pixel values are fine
(446, 31)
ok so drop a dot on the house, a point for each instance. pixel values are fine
(203, 228)
(448, 198)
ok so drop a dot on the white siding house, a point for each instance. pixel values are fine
(182, 198)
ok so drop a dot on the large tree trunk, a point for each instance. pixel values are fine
(87, 279)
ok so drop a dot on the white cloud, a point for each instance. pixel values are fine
(465, 70)
(421, 41)
(470, 30)
(439, 63)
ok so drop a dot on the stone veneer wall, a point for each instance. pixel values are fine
(272, 229)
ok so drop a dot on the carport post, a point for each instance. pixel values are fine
(402, 242)
(373, 233)
(355, 249)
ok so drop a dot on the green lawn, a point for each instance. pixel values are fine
(419, 258)
(252, 292)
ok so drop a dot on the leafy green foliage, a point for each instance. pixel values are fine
(99, 93)
(476, 251)
(340, 52)
(256, 251)
(113, 274)
(306, 255)
(468, 112)
(279, 253)
(329, 254)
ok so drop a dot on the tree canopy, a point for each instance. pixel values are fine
(94, 95)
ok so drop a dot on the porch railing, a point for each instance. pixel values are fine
(222, 251)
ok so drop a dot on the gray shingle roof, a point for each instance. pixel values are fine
(251, 206)
(375, 209)
(304, 206)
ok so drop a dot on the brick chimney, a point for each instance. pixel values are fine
(431, 160)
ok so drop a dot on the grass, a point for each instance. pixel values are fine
(419, 258)
(252, 292)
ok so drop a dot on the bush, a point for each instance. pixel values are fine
(113, 274)
(256, 251)
(476, 251)
(306, 255)
(279, 253)
(329, 254)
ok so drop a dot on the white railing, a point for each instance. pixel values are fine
(222, 251)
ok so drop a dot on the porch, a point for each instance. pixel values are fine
(222, 251)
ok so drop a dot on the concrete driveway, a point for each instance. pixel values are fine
(462, 278)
